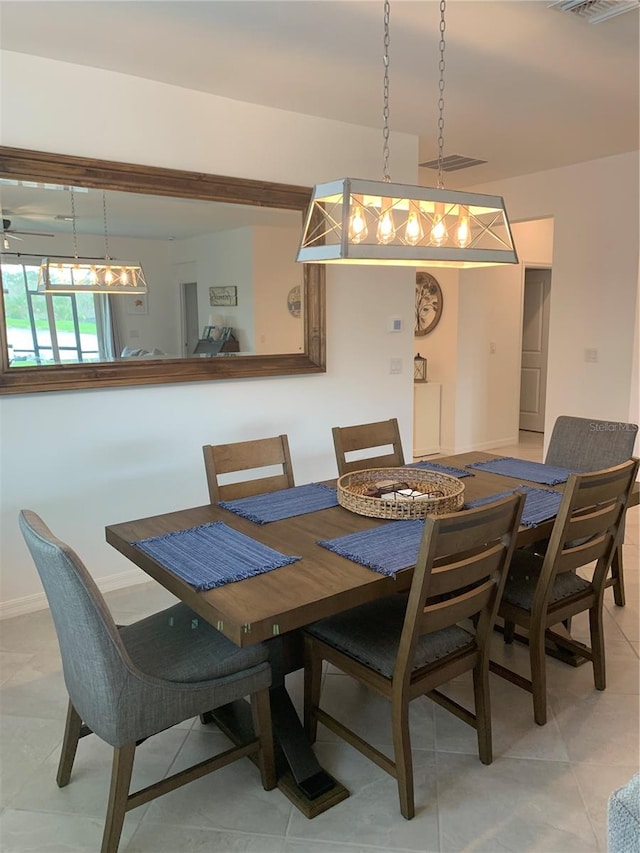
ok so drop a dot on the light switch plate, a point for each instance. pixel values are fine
(395, 324)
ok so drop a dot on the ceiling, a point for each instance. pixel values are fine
(528, 88)
(49, 210)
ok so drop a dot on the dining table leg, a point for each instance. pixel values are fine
(289, 733)
(300, 777)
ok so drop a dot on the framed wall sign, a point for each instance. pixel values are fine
(428, 303)
(223, 296)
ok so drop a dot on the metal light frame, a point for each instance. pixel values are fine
(353, 221)
(77, 275)
(90, 275)
(327, 239)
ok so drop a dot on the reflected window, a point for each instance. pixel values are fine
(49, 329)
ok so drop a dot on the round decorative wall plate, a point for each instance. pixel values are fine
(428, 303)
(294, 301)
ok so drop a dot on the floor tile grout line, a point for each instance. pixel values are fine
(584, 803)
(220, 829)
(437, 781)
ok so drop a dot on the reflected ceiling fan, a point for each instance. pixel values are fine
(9, 233)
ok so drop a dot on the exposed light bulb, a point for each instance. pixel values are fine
(414, 232)
(463, 230)
(439, 228)
(108, 276)
(386, 227)
(124, 276)
(93, 275)
(358, 230)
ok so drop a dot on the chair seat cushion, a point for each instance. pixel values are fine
(371, 634)
(523, 578)
(178, 645)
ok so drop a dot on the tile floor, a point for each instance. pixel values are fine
(546, 790)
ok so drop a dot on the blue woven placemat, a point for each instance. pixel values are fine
(274, 506)
(212, 555)
(539, 505)
(443, 469)
(385, 549)
(394, 546)
(535, 472)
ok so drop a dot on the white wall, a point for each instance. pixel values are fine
(274, 274)
(89, 458)
(588, 230)
(488, 314)
(259, 261)
(490, 343)
(482, 310)
(221, 259)
(440, 348)
(534, 242)
(595, 281)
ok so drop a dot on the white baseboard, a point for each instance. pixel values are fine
(484, 445)
(426, 451)
(38, 601)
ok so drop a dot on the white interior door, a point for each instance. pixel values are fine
(535, 340)
(190, 326)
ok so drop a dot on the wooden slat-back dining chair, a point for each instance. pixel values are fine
(221, 459)
(130, 682)
(403, 648)
(585, 444)
(368, 437)
(543, 591)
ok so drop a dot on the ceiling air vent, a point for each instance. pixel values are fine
(452, 163)
(596, 11)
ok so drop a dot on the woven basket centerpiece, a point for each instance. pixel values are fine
(400, 492)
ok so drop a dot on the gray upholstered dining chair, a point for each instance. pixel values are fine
(130, 682)
(404, 648)
(585, 444)
(544, 590)
(260, 453)
(368, 437)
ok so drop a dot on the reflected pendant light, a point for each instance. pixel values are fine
(352, 221)
(92, 275)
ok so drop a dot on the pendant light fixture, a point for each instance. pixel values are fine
(352, 221)
(93, 275)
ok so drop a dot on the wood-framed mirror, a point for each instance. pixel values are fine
(221, 248)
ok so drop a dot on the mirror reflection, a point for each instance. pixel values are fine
(222, 278)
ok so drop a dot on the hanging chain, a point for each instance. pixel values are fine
(73, 223)
(385, 87)
(443, 5)
(106, 235)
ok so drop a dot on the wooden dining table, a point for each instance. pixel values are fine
(273, 606)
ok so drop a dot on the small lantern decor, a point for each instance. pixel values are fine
(419, 369)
